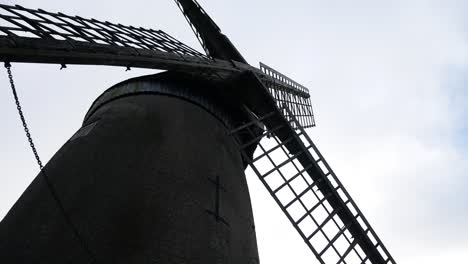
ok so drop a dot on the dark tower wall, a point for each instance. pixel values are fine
(149, 178)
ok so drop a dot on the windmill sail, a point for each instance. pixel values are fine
(38, 36)
(291, 94)
(215, 43)
(304, 186)
(311, 196)
(28, 35)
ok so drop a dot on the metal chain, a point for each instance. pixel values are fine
(23, 120)
(47, 181)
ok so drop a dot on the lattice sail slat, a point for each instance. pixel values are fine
(38, 36)
(290, 93)
(17, 21)
(311, 196)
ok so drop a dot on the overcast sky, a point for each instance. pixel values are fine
(388, 84)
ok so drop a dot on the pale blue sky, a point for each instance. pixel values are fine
(388, 84)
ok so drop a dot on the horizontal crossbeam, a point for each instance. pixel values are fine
(33, 50)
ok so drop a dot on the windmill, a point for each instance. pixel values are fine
(265, 113)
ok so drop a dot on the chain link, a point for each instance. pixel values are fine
(20, 112)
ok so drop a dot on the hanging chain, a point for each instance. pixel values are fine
(20, 112)
(48, 183)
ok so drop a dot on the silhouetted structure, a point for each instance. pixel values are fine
(155, 174)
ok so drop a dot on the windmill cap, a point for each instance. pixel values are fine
(187, 87)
